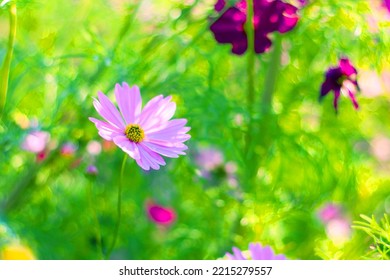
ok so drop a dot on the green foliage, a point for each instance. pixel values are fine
(380, 234)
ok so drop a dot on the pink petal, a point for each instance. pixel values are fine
(106, 114)
(169, 136)
(150, 158)
(106, 130)
(157, 113)
(172, 152)
(129, 102)
(127, 146)
(111, 110)
(172, 124)
(238, 254)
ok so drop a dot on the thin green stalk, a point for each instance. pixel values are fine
(126, 26)
(119, 209)
(249, 28)
(270, 80)
(5, 69)
(96, 220)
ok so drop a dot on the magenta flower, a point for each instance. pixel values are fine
(257, 252)
(144, 134)
(329, 211)
(36, 141)
(269, 16)
(387, 4)
(159, 214)
(341, 79)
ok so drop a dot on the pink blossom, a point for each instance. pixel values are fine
(144, 134)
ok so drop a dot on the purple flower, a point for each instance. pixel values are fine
(257, 252)
(341, 79)
(92, 170)
(269, 16)
(144, 134)
(159, 214)
(212, 166)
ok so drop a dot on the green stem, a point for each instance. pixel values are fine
(126, 26)
(5, 69)
(96, 220)
(119, 209)
(270, 80)
(249, 28)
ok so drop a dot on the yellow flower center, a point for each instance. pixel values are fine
(134, 133)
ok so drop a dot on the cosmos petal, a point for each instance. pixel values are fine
(129, 101)
(110, 111)
(127, 146)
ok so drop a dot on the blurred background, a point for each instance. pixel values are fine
(312, 173)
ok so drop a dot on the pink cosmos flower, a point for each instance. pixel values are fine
(36, 141)
(257, 252)
(144, 134)
(159, 214)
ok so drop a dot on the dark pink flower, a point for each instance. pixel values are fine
(341, 79)
(159, 214)
(387, 4)
(269, 16)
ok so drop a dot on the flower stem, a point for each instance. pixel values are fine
(96, 220)
(249, 28)
(270, 80)
(5, 69)
(119, 209)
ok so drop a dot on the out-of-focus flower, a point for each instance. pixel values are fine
(338, 230)
(68, 149)
(16, 251)
(387, 4)
(160, 215)
(209, 158)
(213, 167)
(328, 212)
(268, 16)
(380, 148)
(337, 224)
(94, 148)
(91, 170)
(341, 79)
(256, 252)
(36, 141)
(370, 84)
(42, 156)
(144, 134)
(108, 146)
